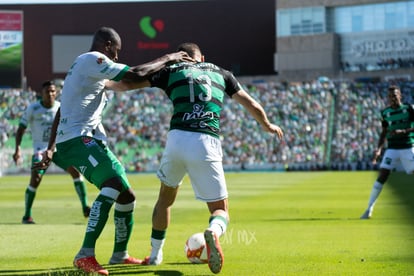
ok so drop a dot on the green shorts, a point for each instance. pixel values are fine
(92, 159)
(35, 159)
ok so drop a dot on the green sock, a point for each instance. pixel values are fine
(81, 191)
(158, 234)
(124, 222)
(29, 197)
(97, 220)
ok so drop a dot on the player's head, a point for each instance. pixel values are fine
(192, 50)
(107, 41)
(48, 93)
(394, 96)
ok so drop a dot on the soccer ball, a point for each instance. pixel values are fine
(195, 249)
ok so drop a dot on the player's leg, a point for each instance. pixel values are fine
(85, 259)
(217, 227)
(389, 162)
(114, 188)
(80, 189)
(170, 173)
(209, 185)
(30, 193)
(407, 160)
(123, 220)
(219, 217)
(88, 156)
(161, 217)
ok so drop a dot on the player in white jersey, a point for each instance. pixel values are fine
(79, 118)
(39, 117)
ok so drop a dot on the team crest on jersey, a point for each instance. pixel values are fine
(88, 141)
(99, 60)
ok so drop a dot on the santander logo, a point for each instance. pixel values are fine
(151, 28)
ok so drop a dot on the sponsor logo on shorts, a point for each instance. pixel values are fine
(82, 169)
(388, 161)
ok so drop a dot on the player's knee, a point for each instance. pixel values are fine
(126, 197)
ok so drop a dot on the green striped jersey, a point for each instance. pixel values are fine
(197, 92)
(399, 118)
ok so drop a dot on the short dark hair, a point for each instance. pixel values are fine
(393, 88)
(48, 83)
(105, 34)
(190, 48)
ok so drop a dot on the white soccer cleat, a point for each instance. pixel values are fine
(154, 259)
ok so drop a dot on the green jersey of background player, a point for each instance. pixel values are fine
(197, 90)
(397, 121)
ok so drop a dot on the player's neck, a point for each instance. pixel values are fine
(47, 105)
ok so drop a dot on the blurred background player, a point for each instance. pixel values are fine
(397, 129)
(197, 90)
(39, 116)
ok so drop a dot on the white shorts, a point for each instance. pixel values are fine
(398, 159)
(198, 154)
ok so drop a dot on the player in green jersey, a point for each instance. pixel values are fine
(39, 117)
(197, 90)
(398, 131)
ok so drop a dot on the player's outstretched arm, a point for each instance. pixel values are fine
(137, 76)
(257, 111)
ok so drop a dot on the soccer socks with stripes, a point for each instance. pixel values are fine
(97, 219)
(29, 197)
(157, 243)
(81, 191)
(218, 224)
(124, 222)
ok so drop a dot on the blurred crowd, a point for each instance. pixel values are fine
(328, 125)
(12, 104)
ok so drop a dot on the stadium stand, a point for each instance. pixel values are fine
(328, 126)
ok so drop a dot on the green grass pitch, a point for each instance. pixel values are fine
(295, 223)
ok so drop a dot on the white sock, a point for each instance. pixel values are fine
(376, 190)
(218, 224)
(156, 251)
(31, 189)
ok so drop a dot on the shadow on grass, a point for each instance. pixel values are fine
(311, 219)
(113, 270)
(403, 185)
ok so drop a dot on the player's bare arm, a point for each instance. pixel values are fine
(257, 111)
(19, 135)
(136, 77)
(48, 153)
(381, 141)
